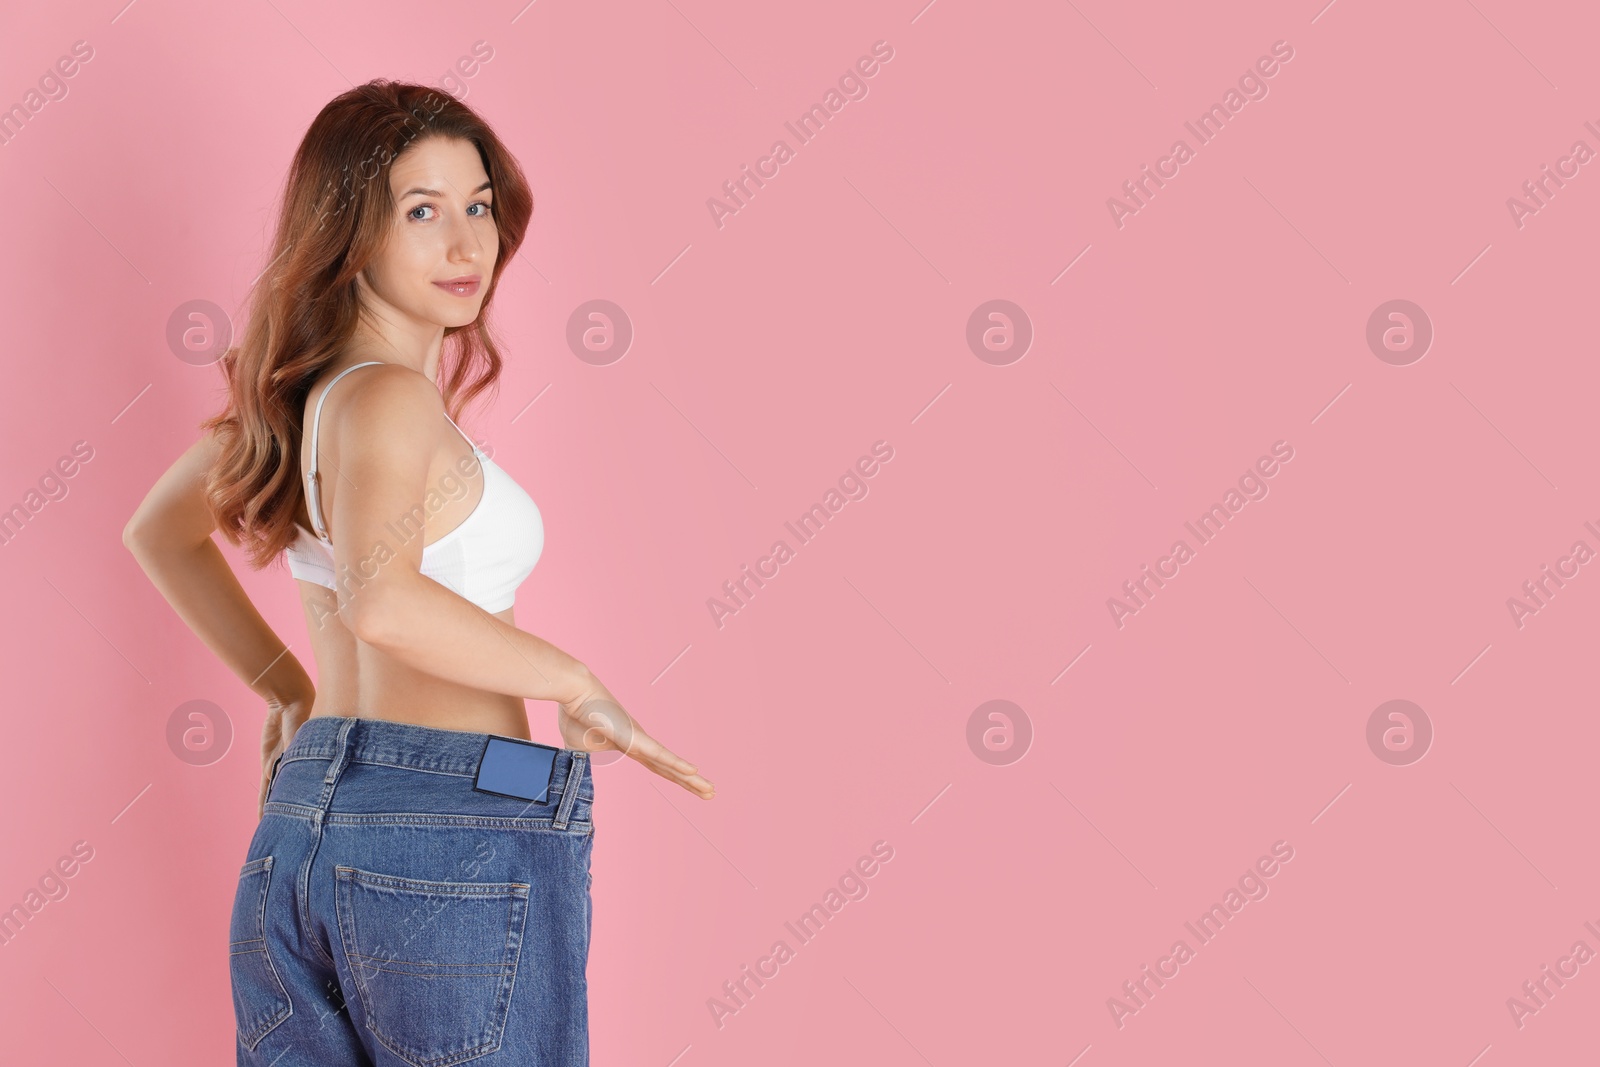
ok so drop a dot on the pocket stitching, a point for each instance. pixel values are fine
(420, 885)
(516, 893)
(261, 865)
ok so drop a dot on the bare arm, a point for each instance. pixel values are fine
(384, 599)
(170, 536)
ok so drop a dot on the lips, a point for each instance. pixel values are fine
(464, 286)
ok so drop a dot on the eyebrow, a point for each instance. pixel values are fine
(435, 192)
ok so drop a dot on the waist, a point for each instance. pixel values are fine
(396, 744)
(395, 693)
(356, 766)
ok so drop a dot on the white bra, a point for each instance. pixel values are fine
(484, 559)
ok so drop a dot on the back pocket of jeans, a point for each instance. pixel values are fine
(434, 962)
(259, 999)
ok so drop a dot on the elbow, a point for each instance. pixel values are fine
(374, 613)
(144, 530)
(139, 530)
(133, 535)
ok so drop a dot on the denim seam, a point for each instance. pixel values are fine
(508, 984)
(396, 766)
(305, 811)
(464, 970)
(346, 879)
(463, 890)
(284, 807)
(329, 781)
(570, 790)
(482, 822)
(369, 762)
(264, 866)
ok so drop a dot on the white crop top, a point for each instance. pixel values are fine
(484, 559)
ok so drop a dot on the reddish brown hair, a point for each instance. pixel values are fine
(336, 214)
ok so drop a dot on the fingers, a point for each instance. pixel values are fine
(607, 720)
(699, 787)
(647, 748)
(695, 783)
(669, 765)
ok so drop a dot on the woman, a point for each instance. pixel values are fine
(417, 889)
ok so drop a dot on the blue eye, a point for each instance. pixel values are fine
(487, 210)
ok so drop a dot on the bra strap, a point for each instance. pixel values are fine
(313, 480)
(475, 449)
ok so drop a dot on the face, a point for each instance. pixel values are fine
(440, 253)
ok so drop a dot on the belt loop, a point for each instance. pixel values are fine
(341, 757)
(569, 792)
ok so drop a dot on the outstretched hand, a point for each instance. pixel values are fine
(595, 722)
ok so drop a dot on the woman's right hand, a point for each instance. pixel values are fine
(595, 722)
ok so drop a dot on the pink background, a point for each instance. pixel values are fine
(770, 354)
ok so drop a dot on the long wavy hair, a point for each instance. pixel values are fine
(305, 307)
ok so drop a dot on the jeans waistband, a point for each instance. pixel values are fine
(397, 744)
(350, 739)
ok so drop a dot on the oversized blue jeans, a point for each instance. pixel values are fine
(389, 914)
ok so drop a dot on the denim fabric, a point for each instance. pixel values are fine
(388, 913)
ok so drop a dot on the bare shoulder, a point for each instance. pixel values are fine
(382, 440)
(387, 404)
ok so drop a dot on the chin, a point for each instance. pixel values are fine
(455, 316)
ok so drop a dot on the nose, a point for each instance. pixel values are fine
(466, 243)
